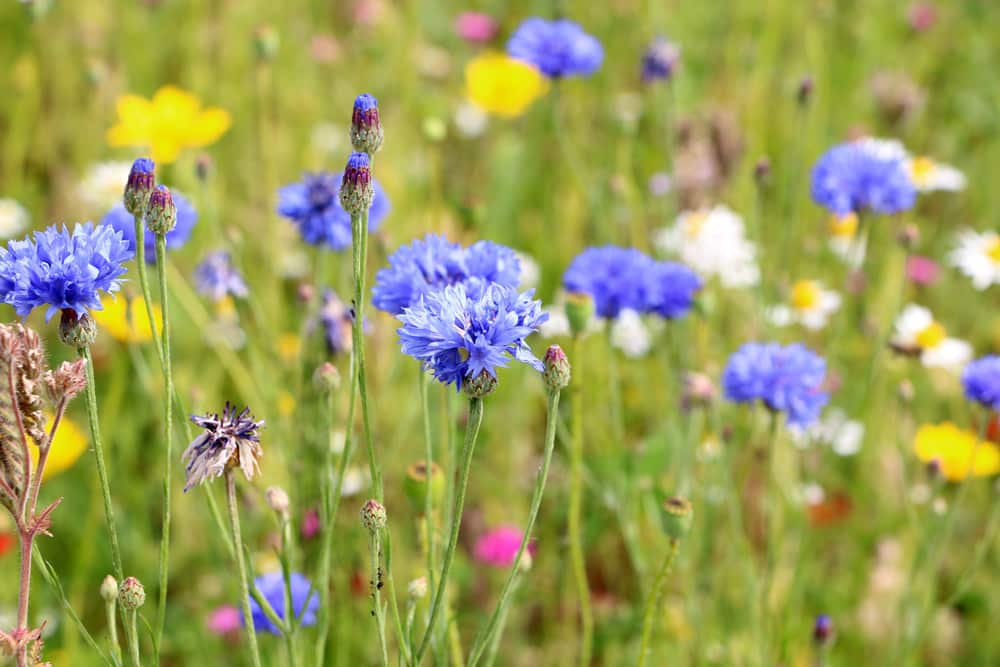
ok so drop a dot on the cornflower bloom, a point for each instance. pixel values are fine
(228, 441)
(981, 380)
(305, 601)
(617, 278)
(216, 277)
(863, 176)
(313, 205)
(558, 48)
(660, 60)
(124, 222)
(786, 379)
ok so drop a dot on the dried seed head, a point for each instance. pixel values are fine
(67, 381)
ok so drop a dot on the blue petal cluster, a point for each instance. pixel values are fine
(123, 221)
(66, 271)
(981, 380)
(313, 204)
(272, 587)
(660, 60)
(558, 48)
(852, 177)
(425, 265)
(464, 330)
(625, 278)
(215, 277)
(786, 379)
(337, 319)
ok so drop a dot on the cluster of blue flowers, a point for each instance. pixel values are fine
(854, 177)
(63, 270)
(557, 48)
(313, 204)
(625, 278)
(305, 601)
(428, 264)
(467, 329)
(981, 380)
(123, 221)
(786, 379)
(216, 277)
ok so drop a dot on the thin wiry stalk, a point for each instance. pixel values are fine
(168, 402)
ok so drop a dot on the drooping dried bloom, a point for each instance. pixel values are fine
(228, 442)
(66, 381)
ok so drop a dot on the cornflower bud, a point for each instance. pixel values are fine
(109, 589)
(265, 42)
(161, 216)
(131, 595)
(823, 630)
(579, 312)
(77, 331)
(417, 481)
(326, 379)
(357, 190)
(557, 369)
(373, 516)
(366, 126)
(140, 185)
(480, 386)
(277, 500)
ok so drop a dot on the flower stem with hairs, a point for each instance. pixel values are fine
(653, 599)
(234, 521)
(577, 562)
(359, 229)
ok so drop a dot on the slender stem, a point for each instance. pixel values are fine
(109, 609)
(402, 637)
(168, 403)
(471, 434)
(491, 654)
(428, 464)
(981, 551)
(132, 628)
(495, 624)
(234, 521)
(577, 561)
(653, 601)
(27, 539)
(43, 456)
(376, 586)
(147, 295)
(359, 228)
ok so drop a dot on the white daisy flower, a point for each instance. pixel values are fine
(884, 149)
(14, 218)
(978, 257)
(834, 428)
(928, 175)
(355, 481)
(920, 335)
(470, 120)
(103, 185)
(630, 335)
(809, 304)
(713, 242)
(843, 240)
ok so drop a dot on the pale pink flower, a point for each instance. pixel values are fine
(310, 524)
(224, 621)
(922, 270)
(476, 27)
(921, 16)
(499, 546)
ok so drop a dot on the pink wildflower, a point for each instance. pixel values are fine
(499, 546)
(922, 270)
(476, 27)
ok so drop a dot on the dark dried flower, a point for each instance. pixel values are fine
(228, 441)
(65, 382)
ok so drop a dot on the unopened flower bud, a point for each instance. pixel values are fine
(557, 369)
(373, 516)
(366, 126)
(823, 630)
(326, 379)
(417, 588)
(698, 389)
(265, 42)
(418, 482)
(934, 469)
(762, 172)
(277, 500)
(805, 90)
(676, 515)
(161, 216)
(480, 386)
(109, 589)
(140, 185)
(579, 311)
(203, 166)
(357, 190)
(908, 236)
(131, 595)
(77, 331)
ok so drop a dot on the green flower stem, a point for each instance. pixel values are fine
(374, 547)
(653, 601)
(491, 654)
(773, 532)
(577, 561)
(132, 629)
(981, 550)
(402, 637)
(234, 521)
(495, 624)
(147, 294)
(471, 434)
(168, 385)
(109, 608)
(428, 460)
(359, 228)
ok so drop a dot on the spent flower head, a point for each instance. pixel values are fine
(228, 441)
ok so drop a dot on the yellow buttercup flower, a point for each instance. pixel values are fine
(126, 319)
(953, 449)
(69, 444)
(167, 124)
(502, 85)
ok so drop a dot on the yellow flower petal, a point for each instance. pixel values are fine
(165, 151)
(953, 449)
(208, 126)
(126, 319)
(172, 101)
(69, 444)
(502, 85)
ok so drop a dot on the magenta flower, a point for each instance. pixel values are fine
(921, 16)
(476, 27)
(310, 524)
(922, 270)
(499, 546)
(224, 621)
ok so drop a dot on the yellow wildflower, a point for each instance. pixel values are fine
(286, 404)
(167, 124)
(126, 319)
(954, 448)
(69, 444)
(502, 85)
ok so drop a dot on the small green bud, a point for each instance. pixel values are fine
(161, 216)
(480, 386)
(77, 331)
(579, 312)
(676, 515)
(557, 369)
(131, 595)
(373, 516)
(417, 482)
(109, 589)
(326, 379)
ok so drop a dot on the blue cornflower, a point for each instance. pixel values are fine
(617, 278)
(786, 379)
(981, 380)
(672, 288)
(124, 222)
(337, 320)
(461, 333)
(313, 204)
(854, 177)
(558, 48)
(305, 600)
(63, 270)
(433, 262)
(215, 277)
(660, 60)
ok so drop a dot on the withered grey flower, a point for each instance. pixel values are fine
(228, 441)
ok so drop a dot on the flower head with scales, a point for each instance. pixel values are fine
(229, 440)
(313, 205)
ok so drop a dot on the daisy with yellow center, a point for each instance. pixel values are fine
(977, 255)
(167, 124)
(958, 453)
(928, 175)
(713, 242)
(809, 304)
(919, 334)
(843, 241)
(126, 319)
(503, 86)
(70, 443)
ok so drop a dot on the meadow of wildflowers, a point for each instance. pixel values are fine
(395, 332)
